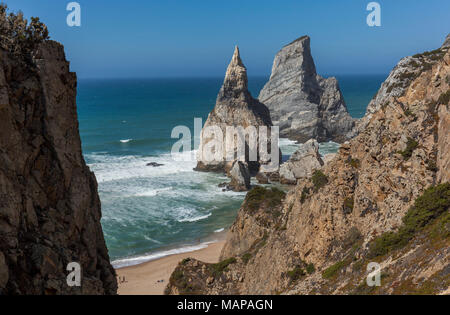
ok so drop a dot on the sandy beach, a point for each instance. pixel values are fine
(143, 279)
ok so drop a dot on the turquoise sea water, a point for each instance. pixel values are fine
(152, 212)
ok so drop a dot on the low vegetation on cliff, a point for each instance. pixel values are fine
(411, 145)
(260, 196)
(319, 180)
(444, 98)
(434, 203)
(19, 36)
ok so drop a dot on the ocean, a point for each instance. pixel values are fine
(151, 212)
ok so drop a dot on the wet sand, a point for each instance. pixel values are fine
(143, 279)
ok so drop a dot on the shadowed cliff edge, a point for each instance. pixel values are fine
(49, 206)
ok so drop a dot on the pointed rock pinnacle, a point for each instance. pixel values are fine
(236, 76)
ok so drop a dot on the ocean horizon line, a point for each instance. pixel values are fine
(219, 77)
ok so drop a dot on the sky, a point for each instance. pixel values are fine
(196, 38)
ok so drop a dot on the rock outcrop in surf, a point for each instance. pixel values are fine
(302, 163)
(235, 107)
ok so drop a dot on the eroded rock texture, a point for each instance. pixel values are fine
(240, 177)
(321, 237)
(49, 206)
(237, 108)
(302, 163)
(303, 104)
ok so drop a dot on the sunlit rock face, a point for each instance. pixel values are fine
(302, 103)
(235, 107)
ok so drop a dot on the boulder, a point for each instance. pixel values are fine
(302, 163)
(240, 177)
(262, 178)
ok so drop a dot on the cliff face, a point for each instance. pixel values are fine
(384, 198)
(49, 206)
(305, 105)
(234, 107)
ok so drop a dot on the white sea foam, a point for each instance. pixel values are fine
(110, 168)
(195, 219)
(329, 147)
(288, 147)
(285, 141)
(151, 192)
(126, 140)
(141, 203)
(219, 230)
(132, 261)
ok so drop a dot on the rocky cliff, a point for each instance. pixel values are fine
(303, 104)
(49, 206)
(235, 107)
(383, 198)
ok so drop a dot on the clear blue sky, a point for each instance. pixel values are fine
(172, 38)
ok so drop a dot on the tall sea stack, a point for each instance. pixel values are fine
(49, 206)
(302, 103)
(234, 107)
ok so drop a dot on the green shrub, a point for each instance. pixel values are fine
(177, 275)
(444, 98)
(305, 193)
(408, 112)
(352, 239)
(185, 261)
(219, 268)
(407, 76)
(310, 269)
(411, 145)
(357, 266)
(246, 257)
(432, 166)
(441, 228)
(260, 196)
(354, 162)
(332, 271)
(319, 180)
(363, 289)
(295, 273)
(433, 203)
(349, 203)
(433, 54)
(17, 36)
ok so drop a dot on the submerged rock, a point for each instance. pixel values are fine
(154, 164)
(303, 104)
(302, 163)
